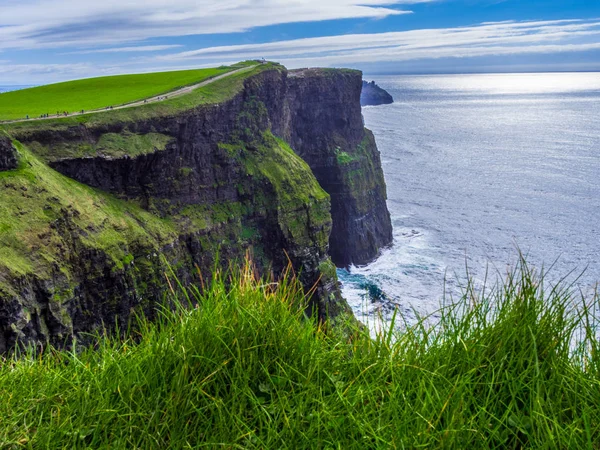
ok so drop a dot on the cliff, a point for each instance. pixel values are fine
(100, 207)
(325, 128)
(373, 95)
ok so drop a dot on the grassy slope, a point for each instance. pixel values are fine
(35, 196)
(96, 93)
(245, 370)
(216, 92)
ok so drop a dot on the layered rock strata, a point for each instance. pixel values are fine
(324, 126)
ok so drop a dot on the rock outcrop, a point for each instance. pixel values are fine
(373, 95)
(8, 154)
(173, 191)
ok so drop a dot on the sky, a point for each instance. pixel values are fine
(45, 41)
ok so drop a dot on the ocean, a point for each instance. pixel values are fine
(12, 88)
(479, 168)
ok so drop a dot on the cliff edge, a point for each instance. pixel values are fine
(97, 209)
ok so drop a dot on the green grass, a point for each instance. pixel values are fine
(216, 92)
(343, 157)
(95, 93)
(36, 199)
(246, 369)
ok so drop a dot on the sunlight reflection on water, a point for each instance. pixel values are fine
(476, 166)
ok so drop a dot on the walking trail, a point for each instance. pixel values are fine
(158, 98)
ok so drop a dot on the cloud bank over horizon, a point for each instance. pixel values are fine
(504, 38)
(54, 40)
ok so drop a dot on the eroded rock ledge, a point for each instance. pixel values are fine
(8, 154)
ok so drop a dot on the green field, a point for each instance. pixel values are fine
(215, 92)
(96, 93)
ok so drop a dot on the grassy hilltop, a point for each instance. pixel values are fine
(96, 93)
(213, 92)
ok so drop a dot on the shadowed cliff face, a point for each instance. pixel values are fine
(8, 154)
(325, 128)
(217, 179)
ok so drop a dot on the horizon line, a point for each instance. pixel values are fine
(385, 73)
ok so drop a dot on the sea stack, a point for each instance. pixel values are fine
(373, 95)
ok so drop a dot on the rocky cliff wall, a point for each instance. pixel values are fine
(8, 154)
(324, 126)
(214, 179)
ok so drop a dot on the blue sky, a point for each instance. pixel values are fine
(43, 41)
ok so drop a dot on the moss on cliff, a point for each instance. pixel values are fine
(363, 177)
(111, 145)
(39, 204)
(37, 201)
(131, 144)
(302, 206)
(49, 221)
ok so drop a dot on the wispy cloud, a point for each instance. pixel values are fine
(62, 23)
(500, 38)
(141, 49)
(45, 71)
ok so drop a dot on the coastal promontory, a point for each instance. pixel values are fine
(102, 211)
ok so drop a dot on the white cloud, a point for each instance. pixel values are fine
(141, 48)
(425, 46)
(501, 38)
(62, 23)
(46, 73)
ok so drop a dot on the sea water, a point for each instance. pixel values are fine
(12, 88)
(479, 168)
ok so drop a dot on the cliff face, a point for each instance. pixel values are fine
(324, 126)
(8, 154)
(178, 190)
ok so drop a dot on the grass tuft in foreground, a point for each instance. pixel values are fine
(246, 369)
